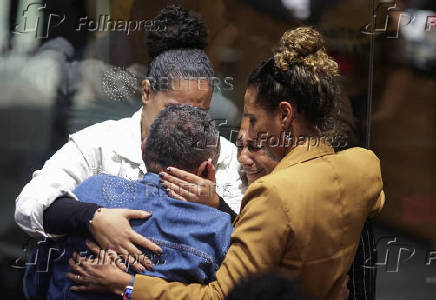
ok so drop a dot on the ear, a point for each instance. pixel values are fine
(146, 91)
(202, 170)
(287, 114)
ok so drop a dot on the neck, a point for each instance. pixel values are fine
(145, 123)
(300, 134)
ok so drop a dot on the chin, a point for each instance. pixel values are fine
(253, 178)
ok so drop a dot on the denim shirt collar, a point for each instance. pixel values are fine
(152, 178)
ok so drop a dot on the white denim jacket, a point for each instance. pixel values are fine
(110, 147)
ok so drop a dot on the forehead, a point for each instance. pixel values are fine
(244, 127)
(250, 99)
(194, 91)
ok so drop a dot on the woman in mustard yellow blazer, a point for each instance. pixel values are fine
(304, 212)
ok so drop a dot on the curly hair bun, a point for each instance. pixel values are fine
(178, 29)
(303, 46)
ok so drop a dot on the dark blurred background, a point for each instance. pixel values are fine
(57, 78)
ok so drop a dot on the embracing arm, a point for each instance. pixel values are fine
(257, 245)
(68, 216)
(224, 207)
(59, 175)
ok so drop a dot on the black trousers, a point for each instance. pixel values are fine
(363, 271)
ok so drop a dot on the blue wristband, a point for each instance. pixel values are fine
(128, 291)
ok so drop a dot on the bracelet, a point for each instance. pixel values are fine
(128, 291)
(127, 294)
(97, 211)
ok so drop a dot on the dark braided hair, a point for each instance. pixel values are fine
(182, 29)
(177, 51)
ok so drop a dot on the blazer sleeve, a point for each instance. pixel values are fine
(378, 206)
(258, 242)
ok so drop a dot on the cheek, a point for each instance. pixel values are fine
(268, 164)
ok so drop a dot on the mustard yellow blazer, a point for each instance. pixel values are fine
(304, 219)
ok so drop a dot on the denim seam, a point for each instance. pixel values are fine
(186, 248)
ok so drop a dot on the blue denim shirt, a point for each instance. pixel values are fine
(194, 237)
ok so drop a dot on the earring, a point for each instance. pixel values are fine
(287, 137)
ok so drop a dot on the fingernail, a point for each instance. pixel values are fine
(161, 174)
(169, 169)
(151, 266)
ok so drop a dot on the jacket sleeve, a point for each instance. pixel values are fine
(69, 166)
(68, 216)
(378, 206)
(258, 242)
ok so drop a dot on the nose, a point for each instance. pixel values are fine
(244, 158)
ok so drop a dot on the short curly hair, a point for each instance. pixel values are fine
(181, 136)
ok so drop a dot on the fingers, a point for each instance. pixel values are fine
(136, 214)
(186, 176)
(202, 168)
(179, 183)
(132, 259)
(340, 290)
(78, 279)
(145, 261)
(346, 280)
(210, 170)
(80, 288)
(79, 270)
(145, 243)
(93, 247)
(174, 195)
(179, 193)
(106, 256)
(345, 287)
